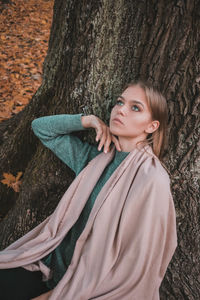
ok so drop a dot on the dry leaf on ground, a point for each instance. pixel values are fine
(12, 181)
(24, 33)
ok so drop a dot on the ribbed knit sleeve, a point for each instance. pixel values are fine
(55, 133)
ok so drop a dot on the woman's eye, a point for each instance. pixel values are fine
(119, 102)
(135, 108)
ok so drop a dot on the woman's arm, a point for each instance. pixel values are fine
(55, 133)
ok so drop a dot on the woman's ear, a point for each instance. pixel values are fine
(153, 126)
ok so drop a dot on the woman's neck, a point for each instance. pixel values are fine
(128, 145)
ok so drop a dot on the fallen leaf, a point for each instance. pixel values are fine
(8, 178)
(12, 181)
(19, 174)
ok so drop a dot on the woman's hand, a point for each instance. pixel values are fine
(103, 134)
(43, 296)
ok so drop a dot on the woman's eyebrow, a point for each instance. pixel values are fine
(133, 101)
(138, 102)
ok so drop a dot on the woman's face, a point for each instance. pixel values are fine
(131, 118)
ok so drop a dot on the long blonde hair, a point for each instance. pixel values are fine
(158, 107)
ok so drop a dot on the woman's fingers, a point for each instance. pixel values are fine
(99, 133)
(116, 142)
(107, 141)
(100, 128)
(103, 134)
(103, 137)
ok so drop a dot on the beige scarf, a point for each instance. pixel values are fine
(128, 241)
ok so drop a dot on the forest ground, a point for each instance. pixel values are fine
(24, 34)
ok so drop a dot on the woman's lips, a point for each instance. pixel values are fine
(117, 120)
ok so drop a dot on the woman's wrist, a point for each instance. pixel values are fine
(86, 121)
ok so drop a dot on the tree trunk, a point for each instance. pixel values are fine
(95, 48)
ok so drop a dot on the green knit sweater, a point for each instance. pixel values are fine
(55, 133)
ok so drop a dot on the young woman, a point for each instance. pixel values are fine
(113, 233)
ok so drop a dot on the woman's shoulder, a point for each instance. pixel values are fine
(155, 180)
(154, 170)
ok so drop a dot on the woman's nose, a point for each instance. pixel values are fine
(122, 110)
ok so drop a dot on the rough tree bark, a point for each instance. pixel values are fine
(95, 48)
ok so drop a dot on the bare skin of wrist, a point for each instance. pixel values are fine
(103, 134)
(43, 296)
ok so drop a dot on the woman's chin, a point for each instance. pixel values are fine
(114, 131)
